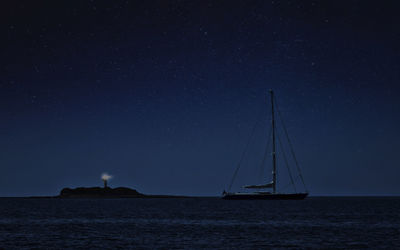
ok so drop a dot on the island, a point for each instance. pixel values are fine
(107, 192)
(98, 192)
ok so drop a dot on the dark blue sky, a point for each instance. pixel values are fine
(163, 95)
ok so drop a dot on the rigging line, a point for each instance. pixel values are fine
(294, 179)
(289, 184)
(290, 145)
(245, 150)
(286, 162)
(286, 186)
(265, 155)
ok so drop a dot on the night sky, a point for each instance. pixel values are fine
(163, 95)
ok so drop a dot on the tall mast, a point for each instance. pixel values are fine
(273, 145)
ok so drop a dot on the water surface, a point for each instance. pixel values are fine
(317, 222)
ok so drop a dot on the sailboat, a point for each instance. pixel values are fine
(261, 193)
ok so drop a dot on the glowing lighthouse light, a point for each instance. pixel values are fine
(105, 177)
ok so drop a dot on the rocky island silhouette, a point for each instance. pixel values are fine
(108, 192)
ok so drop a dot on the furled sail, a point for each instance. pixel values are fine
(268, 185)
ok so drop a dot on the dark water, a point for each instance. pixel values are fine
(200, 223)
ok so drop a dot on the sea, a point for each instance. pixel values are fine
(200, 223)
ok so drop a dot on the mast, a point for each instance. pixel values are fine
(273, 145)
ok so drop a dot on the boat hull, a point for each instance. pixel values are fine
(264, 196)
